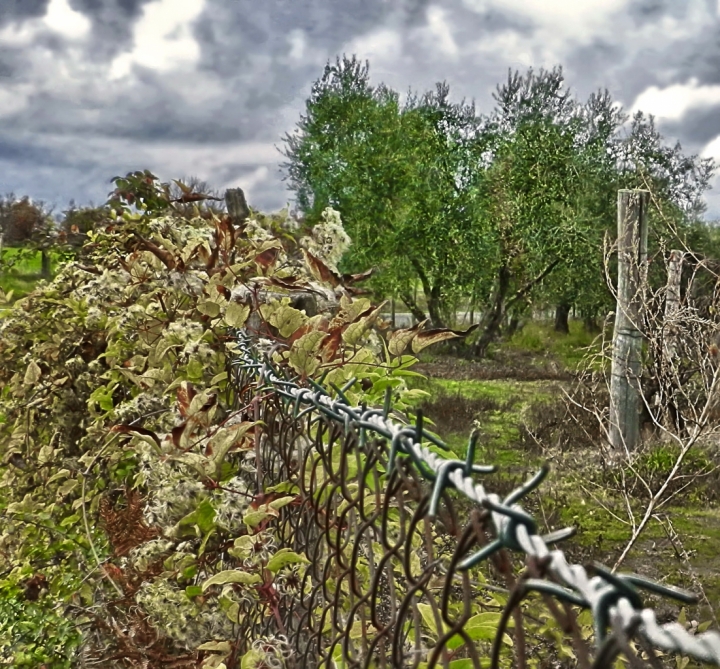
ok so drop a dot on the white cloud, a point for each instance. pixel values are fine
(298, 44)
(580, 19)
(712, 149)
(14, 98)
(440, 33)
(162, 38)
(509, 46)
(380, 45)
(59, 18)
(248, 181)
(18, 35)
(62, 18)
(673, 102)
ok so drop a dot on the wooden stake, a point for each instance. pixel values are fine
(627, 339)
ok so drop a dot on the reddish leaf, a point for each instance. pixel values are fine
(267, 257)
(354, 290)
(331, 344)
(320, 326)
(225, 233)
(177, 434)
(288, 282)
(321, 271)
(164, 255)
(185, 393)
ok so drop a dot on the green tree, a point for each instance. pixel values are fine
(394, 175)
(531, 192)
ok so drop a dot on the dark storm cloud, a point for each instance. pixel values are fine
(696, 128)
(64, 119)
(18, 10)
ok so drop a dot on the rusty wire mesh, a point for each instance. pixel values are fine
(411, 561)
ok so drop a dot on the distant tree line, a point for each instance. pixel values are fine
(504, 210)
(501, 212)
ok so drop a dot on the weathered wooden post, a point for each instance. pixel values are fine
(670, 337)
(627, 339)
(236, 205)
(672, 303)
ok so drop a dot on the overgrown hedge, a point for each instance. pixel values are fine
(122, 506)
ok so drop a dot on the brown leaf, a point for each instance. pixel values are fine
(165, 256)
(428, 338)
(225, 233)
(177, 432)
(331, 344)
(399, 340)
(320, 270)
(267, 258)
(349, 279)
(185, 393)
(354, 290)
(135, 429)
(288, 282)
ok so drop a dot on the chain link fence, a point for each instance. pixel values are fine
(411, 560)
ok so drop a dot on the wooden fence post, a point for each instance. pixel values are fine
(236, 205)
(670, 337)
(627, 339)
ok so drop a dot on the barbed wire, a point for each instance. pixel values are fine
(614, 600)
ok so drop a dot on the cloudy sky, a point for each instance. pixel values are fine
(90, 89)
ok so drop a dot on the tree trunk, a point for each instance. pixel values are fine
(492, 318)
(44, 264)
(432, 296)
(415, 310)
(562, 311)
(513, 326)
(671, 419)
(590, 325)
(433, 301)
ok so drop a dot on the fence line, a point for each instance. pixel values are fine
(321, 435)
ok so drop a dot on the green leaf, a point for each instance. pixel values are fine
(203, 516)
(103, 396)
(283, 558)
(236, 314)
(285, 318)
(278, 504)
(428, 617)
(253, 659)
(231, 576)
(209, 308)
(223, 440)
(193, 591)
(216, 646)
(254, 518)
(303, 353)
(70, 520)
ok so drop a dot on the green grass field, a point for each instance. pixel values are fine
(22, 276)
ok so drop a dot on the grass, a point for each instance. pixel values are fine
(24, 274)
(540, 337)
(579, 492)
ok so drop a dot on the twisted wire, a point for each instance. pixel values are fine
(613, 599)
